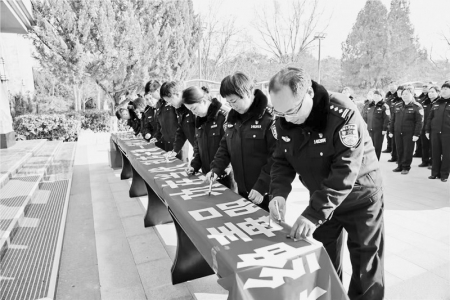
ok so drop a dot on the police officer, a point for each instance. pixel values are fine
(438, 129)
(406, 125)
(398, 99)
(140, 107)
(323, 138)
(209, 130)
(171, 92)
(421, 99)
(390, 96)
(249, 139)
(377, 115)
(432, 95)
(166, 123)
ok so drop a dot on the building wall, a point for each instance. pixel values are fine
(16, 51)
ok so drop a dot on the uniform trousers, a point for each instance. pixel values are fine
(389, 143)
(418, 151)
(365, 227)
(377, 140)
(426, 148)
(405, 149)
(440, 146)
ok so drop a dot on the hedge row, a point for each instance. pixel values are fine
(63, 127)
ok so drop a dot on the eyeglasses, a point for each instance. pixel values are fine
(294, 111)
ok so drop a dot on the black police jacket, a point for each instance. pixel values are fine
(148, 122)
(166, 122)
(209, 131)
(248, 144)
(422, 98)
(439, 118)
(185, 129)
(377, 116)
(333, 154)
(407, 118)
(426, 104)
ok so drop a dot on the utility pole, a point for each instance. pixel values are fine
(319, 36)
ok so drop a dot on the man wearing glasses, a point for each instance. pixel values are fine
(249, 139)
(323, 138)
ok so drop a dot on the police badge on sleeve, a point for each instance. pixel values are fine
(349, 135)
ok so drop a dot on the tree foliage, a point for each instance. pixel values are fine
(364, 53)
(118, 44)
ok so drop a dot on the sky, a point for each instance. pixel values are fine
(430, 18)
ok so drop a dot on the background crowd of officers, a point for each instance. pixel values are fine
(412, 122)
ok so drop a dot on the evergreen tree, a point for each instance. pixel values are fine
(118, 44)
(364, 53)
(404, 49)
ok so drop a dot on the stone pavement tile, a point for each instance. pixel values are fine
(107, 220)
(134, 225)
(122, 196)
(422, 258)
(147, 247)
(117, 271)
(422, 287)
(79, 283)
(98, 178)
(390, 280)
(402, 268)
(119, 186)
(156, 279)
(206, 284)
(167, 234)
(128, 209)
(443, 271)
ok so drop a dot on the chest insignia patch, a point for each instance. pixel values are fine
(349, 135)
(274, 131)
(320, 141)
(320, 135)
(286, 139)
(255, 126)
(230, 125)
(214, 126)
(256, 122)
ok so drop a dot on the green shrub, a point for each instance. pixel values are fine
(51, 127)
(96, 120)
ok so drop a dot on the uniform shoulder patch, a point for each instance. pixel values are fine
(349, 135)
(274, 130)
(340, 111)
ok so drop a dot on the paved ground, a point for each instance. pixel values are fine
(108, 254)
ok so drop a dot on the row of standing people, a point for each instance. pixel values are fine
(308, 132)
(406, 121)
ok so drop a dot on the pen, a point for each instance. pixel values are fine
(210, 184)
(278, 210)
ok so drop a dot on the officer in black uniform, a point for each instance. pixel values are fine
(128, 114)
(390, 96)
(323, 138)
(209, 130)
(406, 125)
(377, 115)
(166, 123)
(421, 99)
(151, 94)
(432, 95)
(438, 129)
(249, 139)
(398, 99)
(171, 92)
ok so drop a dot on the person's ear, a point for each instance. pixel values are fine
(310, 91)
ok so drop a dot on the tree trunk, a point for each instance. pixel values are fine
(75, 93)
(99, 96)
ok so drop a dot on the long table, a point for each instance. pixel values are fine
(223, 233)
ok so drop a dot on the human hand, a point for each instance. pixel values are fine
(303, 228)
(228, 170)
(427, 135)
(383, 132)
(170, 154)
(189, 170)
(255, 197)
(148, 136)
(277, 214)
(415, 138)
(153, 140)
(211, 176)
(391, 135)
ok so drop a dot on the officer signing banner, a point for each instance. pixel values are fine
(323, 138)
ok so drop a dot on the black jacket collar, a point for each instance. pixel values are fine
(379, 104)
(257, 108)
(182, 110)
(318, 117)
(211, 115)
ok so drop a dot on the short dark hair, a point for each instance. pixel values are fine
(237, 84)
(296, 78)
(168, 88)
(192, 95)
(119, 113)
(409, 89)
(436, 88)
(151, 86)
(400, 88)
(139, 102)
